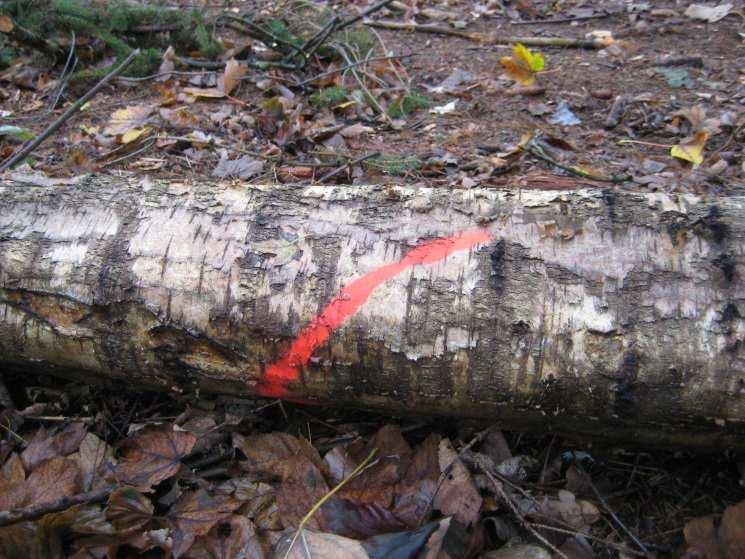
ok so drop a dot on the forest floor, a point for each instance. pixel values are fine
(646, 96)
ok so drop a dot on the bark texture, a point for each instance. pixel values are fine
(589, 311)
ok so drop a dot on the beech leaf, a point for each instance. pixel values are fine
(691, 149)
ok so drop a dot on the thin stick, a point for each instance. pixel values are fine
(613, 515)
(353, 65)
(335, 172)
(32, 513)
(326, 497)
(57, 124)
(519, 515)
(536, 151)
(559, 19)
(487, 39)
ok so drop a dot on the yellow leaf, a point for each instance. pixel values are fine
(691, 149)
(6, 24)
(517, 72)
(532, 60)
(523, 64)
(131, 135)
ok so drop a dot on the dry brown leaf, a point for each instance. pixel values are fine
(457, 494)
(417, 489)
(152, 456)
(44, 446)
(578, 514)
(12, 471)
(128, 509)
(705, 541)
(266, 454)
(123, 120)
(234, 538)
(194, 514)
(230, 77)
(319, 544)
(302, 486)
(93, 456)
(52, 479)
(167, 66)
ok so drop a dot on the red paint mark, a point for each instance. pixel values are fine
(348, 301)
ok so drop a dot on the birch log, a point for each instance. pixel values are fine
(601, 312)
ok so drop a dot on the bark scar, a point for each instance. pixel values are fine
(280, 374)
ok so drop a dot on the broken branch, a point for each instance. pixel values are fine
(484, 38)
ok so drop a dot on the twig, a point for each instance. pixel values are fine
(326, 497)
(353, 65)
(612, 514)
(487, 39)
(368, 94)
(362, 15)
(519, 515)
(57, 124)
(537, 151)
(332, 26)
(612, 545)
(338, 170)
(37, 511)
(65, 76)
(560, 19)
(259, 32)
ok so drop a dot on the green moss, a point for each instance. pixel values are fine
(328, 97)
(408, 104)
(361, 41)
(394, 165)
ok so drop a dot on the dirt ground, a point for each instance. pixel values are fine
(658, 103)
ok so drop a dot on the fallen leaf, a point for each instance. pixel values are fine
(52, 479)
(128, 509)
(152, 456)
(194, 514)
(457, 494)
(523, 64)
(357, 520)
(230, 77)
(93, 456)
(233, 538)
(302, 487)
(355, 130)
(319, 544)
(418, 486)
(266, 454)
(191, 94)
(44, 446)
(567, 509)
(133, 134)
(168, 65)
(123, 120)
(244, 167)
(709, 14)
(691, 149)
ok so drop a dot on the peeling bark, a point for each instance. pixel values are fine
(592, 311)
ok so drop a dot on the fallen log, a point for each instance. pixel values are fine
(594, 312)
